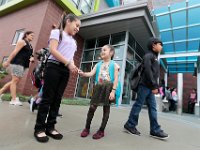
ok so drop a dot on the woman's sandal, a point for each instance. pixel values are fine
(54, 136)
(42, 139)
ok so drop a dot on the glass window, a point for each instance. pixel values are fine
(137, 59)
(126, 95)
(139, 50)
(18, 36)
(82, 87)
(90, 43)
(119, 51)
(103, 41)
(97, 54)
(118, 38)
(83, 82)
(89, 2)
(130, 55)
(131, 41)
(88, 55)
(85, 7)
(76, 2)
(2, 2)
(86, 67)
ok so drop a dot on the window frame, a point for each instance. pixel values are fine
(18, 36)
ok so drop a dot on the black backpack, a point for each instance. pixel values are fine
(135, 76)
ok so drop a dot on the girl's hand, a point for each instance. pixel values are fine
(72, 68)
(81, 73)
(32, 59)
(112, 96)
(6, 64)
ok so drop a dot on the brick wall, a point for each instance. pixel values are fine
(39, 18)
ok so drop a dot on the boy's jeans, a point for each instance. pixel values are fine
(143, 94)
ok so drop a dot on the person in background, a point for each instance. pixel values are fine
(192, 101)
(18, 61)
(175, 99)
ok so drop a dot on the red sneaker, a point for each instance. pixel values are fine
(85, 133)
(98, 135)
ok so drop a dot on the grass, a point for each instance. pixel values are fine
(80, 102)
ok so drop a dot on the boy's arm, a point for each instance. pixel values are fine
(148, 72)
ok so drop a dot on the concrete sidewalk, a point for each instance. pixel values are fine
(17, 123)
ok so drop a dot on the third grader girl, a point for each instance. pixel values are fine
(104, 90)
(59, 65)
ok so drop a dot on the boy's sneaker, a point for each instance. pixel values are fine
(85, 133)
(99, 134)
(131, 130)
(160, 135)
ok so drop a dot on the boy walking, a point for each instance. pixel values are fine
(148, 86)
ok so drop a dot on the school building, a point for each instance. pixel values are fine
(125, 24)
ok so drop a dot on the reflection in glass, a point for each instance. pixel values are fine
(85, 7)
(97, 54)
(118, 38)
(103, 41)
(131, 41)
(90, 43)
(126, 95)
(82, 87)
(130, 55)
(88, 55)
(119, 51)
(86, 67)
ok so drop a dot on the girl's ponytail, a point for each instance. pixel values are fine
(62, 25)
(63, 21)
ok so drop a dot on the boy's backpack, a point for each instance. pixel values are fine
(111, 72)
(135, 76)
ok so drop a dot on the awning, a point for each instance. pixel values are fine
(179, 28)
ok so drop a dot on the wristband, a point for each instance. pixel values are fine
(114, 89)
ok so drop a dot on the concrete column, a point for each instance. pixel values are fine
(180, 93)
(165, 78)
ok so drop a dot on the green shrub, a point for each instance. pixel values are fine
(82, 102)
(3, 72)
(7, 97)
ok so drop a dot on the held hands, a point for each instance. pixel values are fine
(72, 68)
(155, 91)
(81, 73)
